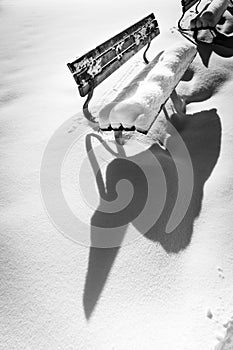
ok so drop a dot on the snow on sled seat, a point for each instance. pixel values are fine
(98, 64)
(140, 110)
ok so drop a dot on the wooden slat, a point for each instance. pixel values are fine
(186, 4)
(101, 62)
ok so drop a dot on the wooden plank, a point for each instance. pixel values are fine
(98, 64)
(187, 4)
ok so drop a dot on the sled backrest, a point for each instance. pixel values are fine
(96, 65)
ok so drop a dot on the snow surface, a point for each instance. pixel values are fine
(159, 291)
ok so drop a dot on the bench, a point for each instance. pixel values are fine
(98, 64)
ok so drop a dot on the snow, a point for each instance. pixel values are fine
(152, 293)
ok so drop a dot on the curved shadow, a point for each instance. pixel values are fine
(222, 46)
(101, 260)
(202, 136)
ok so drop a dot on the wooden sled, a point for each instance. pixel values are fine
(98, 64)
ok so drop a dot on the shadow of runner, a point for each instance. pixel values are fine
(202, 136)
(101, 260)
(99, 267)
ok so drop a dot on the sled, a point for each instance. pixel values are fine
(98, 64)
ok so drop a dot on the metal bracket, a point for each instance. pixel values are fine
(165, 112)
(118, 136)
(144, 54)
(177, 102)
(86, 111)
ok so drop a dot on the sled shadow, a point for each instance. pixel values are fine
(222, 46)
(202, 136)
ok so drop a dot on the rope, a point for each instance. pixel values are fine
(195, 30)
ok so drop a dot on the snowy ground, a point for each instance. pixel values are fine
(163, 292)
